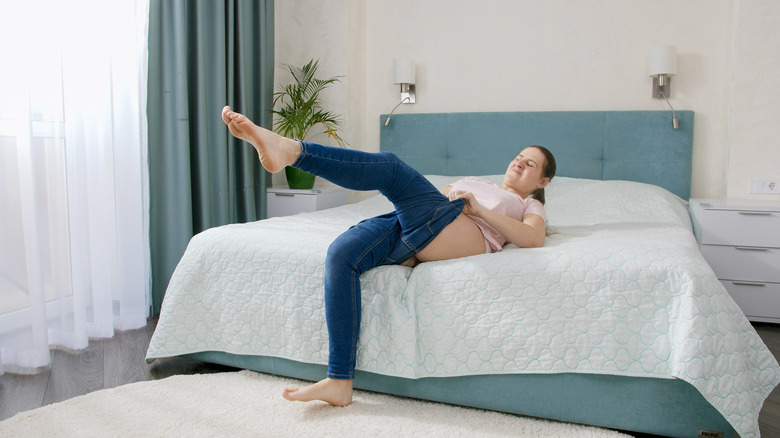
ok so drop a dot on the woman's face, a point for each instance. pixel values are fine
(526, 172)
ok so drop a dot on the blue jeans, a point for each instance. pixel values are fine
(421, 212)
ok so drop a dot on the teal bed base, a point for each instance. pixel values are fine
(665, 407)
(627, 145)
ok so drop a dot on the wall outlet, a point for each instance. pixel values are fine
(771, 185)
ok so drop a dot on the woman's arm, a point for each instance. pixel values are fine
(528, 233)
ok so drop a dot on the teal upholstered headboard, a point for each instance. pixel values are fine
(611, 145)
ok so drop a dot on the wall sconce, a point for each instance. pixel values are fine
(661, 66)
(403, 74)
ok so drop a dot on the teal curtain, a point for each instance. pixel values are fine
(203, 55)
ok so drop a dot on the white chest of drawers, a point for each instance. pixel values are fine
(285, 202)
(741, 241)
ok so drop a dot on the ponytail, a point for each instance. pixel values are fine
(538, 194)
(548, 170)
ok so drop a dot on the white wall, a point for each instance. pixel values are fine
(754, 141)
(523, 55)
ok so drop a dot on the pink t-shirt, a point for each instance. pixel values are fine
(493, 197)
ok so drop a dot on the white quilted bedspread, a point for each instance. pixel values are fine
(619, 287)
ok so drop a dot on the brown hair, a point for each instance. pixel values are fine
(548, 171)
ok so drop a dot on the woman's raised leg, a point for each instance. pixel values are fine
(275, 151)
(348, 168)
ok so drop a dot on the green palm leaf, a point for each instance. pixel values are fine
(301, 109)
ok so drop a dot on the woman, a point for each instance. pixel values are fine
(472, 216)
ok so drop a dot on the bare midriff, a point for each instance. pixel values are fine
(461, 238)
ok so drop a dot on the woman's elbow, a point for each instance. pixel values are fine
(536, 241)
(533, 242)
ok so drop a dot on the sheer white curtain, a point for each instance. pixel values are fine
(74, 255)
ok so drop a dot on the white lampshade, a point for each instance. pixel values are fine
(662, 61)
(403, 71)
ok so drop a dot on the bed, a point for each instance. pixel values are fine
(617, 321)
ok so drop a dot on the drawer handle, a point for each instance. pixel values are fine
(755, 213)
(285, 194)
(745, 283)
(750, 248)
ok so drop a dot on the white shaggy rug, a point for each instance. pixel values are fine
(249, 404)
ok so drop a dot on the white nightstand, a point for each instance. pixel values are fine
(741, 241)
(284, 201)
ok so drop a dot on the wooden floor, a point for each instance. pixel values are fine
(118, 361)
(106, 363)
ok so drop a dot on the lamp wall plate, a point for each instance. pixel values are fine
(407, 91)
(665, 88)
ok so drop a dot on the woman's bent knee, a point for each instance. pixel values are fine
(340, 255)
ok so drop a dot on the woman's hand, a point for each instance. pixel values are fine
(528, 233)
(472, 206)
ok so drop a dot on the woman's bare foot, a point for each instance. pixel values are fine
(335, 392)
(275, 151)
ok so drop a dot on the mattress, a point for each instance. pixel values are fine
(619, 288)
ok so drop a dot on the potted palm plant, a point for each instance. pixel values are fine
(301, 114)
